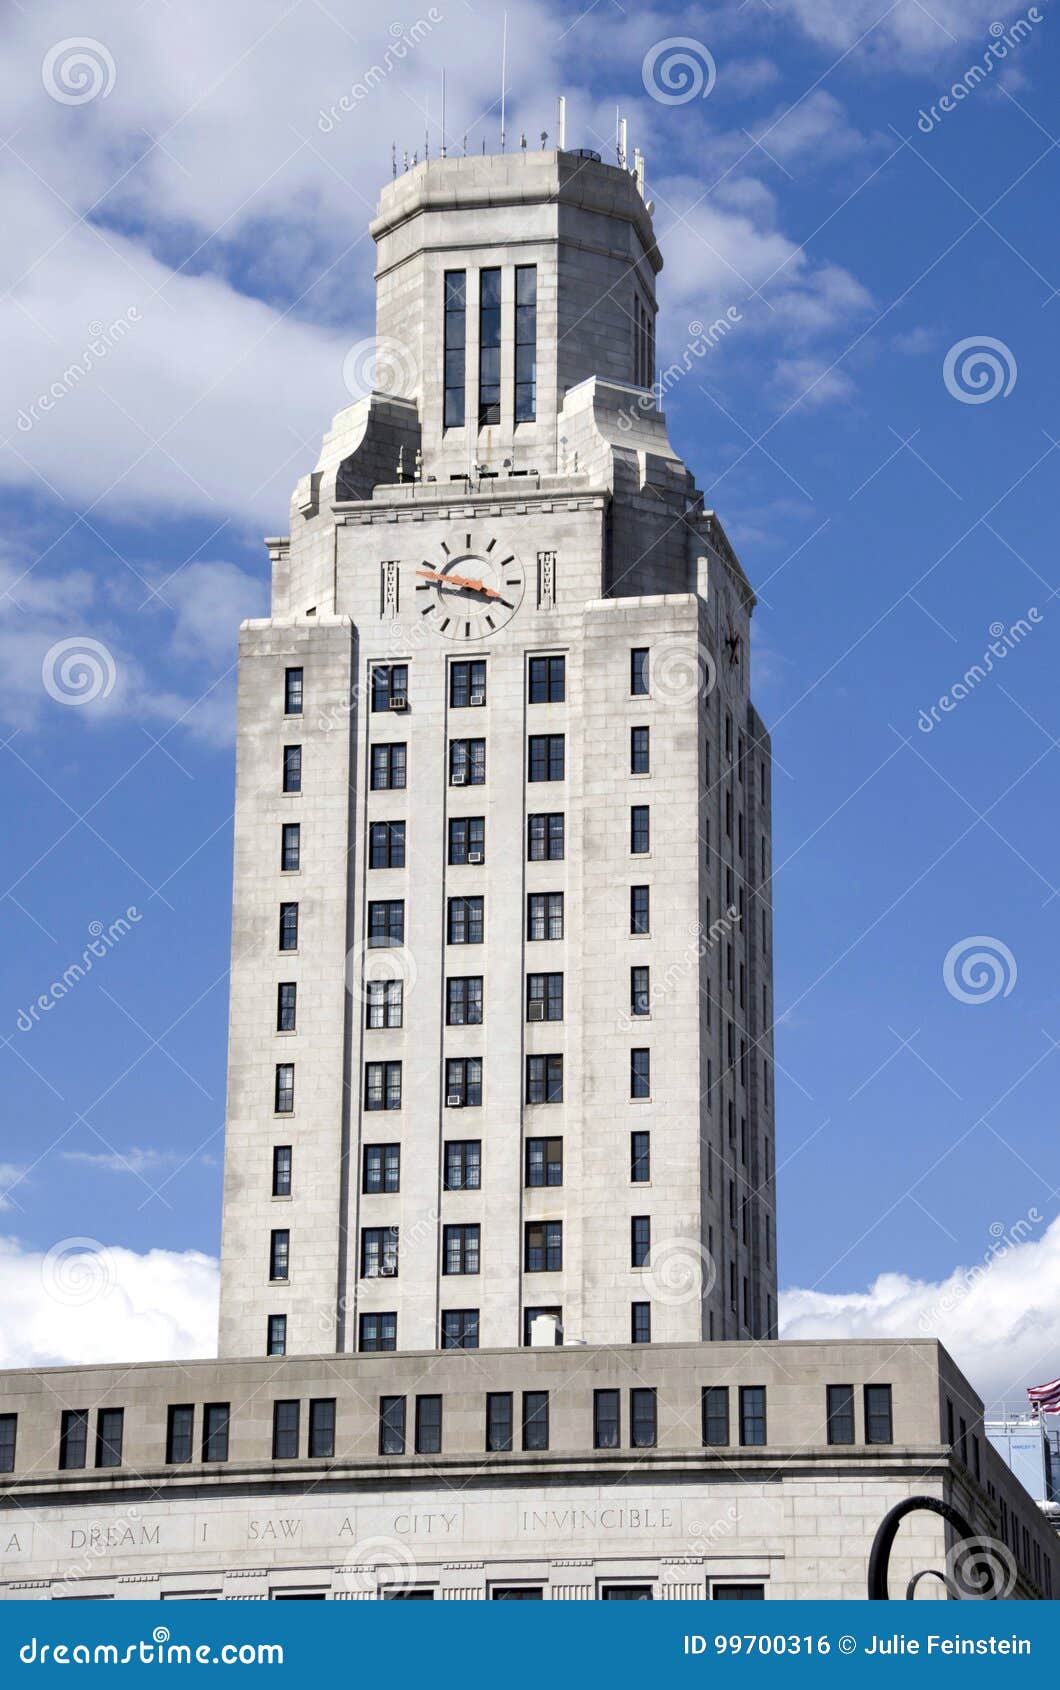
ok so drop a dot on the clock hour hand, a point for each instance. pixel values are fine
(458, 581)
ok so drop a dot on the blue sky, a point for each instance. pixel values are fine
(199, 213)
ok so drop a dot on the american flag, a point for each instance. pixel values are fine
(1045, 1399)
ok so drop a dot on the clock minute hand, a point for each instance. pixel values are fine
(458, 581)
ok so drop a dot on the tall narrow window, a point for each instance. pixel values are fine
(639, 830)
(73, 1438)
(290, 847)
(640, 751)
(535, 1419)
(180, 1432)
(391, 1425)
(428, 1425)
(639, 991)
(276, 1335)
(640, 909)
(499, 1420)
(878, 1427)
(525, 342)
(285, 1424)
(455, 344)
(640, 1073)
(605, 1419)
(638, 672)
(279, 1254)
(715, 1414)
(489, 347)
(292, 692)
(292, 768)
(643, 1418)
(752, 1414)
(8, 1431)
(288, 927)
(286, 1006)
(284, 1099)
(640, 1241)
(216, 1418)
(640, 1158)
(640, 1323)
(840, 1414)
(322, 1428)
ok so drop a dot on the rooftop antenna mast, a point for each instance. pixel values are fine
(561, 124)
(622, 134)
(504, 73)
(443, 112)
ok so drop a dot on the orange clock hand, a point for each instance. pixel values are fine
(458, 581)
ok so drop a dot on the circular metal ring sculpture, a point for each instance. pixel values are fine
(883, 1542)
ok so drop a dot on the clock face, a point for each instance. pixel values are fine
(474, 586)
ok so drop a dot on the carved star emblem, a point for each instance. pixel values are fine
(734, 642)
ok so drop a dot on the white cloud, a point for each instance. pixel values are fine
(816, 127)
(909, 32)
(998, 1317)
(135, 1160)
(77, 1305)
(812, 382)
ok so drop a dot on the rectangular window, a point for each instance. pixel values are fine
(547, 757)
(533, 1314)
(548, 680)
(640, 1323)
(286, 1006)
(460, 1249)
(467, 762)
(640, 909)
(276, 1335)
(543, 1247)
(463, 1082)
(281, 1170)
(465, 921)
(286, 1417)
(840, 1400)
(467, 839)
(284, 1095)
(544, 997)
(544, 1161)
(639, 991)
(639, 829)
(292, 768)
(467, 684)
(640, 751)
(640, 1241)
(379, 1252)
(535, 1419)
(428, 1425)
(292, 692)
(545, 838)
(322, 1428)
(216, 1419)
(390, 686)
(455, 340)
(290, 847)
(643, 1418)
(463, 1164)
(288, 927)
(715, 1415)
(386, 845)
(638, 672)
(606, 1428)
(525, 342)
(544, 1079)
(384, 1002)
(389, 764)
(386, 922)
(640, 1073)
(463, 1001)
(489, 348)
(180, 1432)
(73, 1438)
(391, 1425)
(382, 1168)
(460, 1329)
(279, 1253)
(544, 915)
(377, 1332)
(110, 1423)
(640, 1158)
(752, 1414)
(739, 1593)
(499, 1420)
(878, 1419)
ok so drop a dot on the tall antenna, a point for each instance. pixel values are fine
(623, 132)
(427, 127)
(561, 123)
(504, 73)
(443, 111)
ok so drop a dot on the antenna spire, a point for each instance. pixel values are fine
(561, 123)
(443, 111)
(504, 73)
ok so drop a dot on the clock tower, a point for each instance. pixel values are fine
(500, 1064)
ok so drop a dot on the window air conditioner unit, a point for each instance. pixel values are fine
(535, 1012)
(474, 856)
(454, 1100)
(478, 698)
(459, 780)
(400, 702)
(388, 1270)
